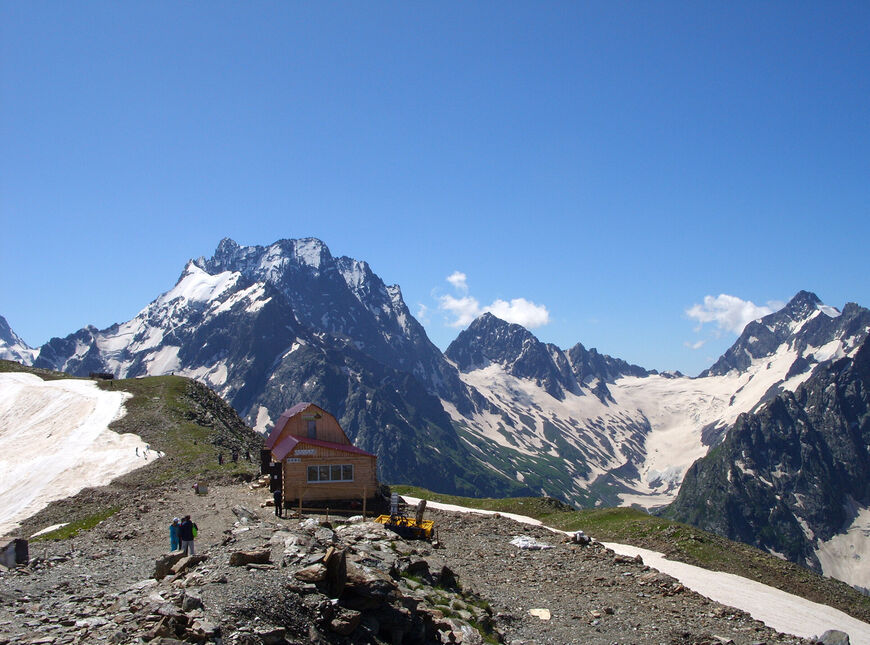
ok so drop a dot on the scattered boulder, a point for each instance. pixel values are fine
(163, 565)
(191, 602)
(345, 621)
(833, 637)
(242, 558)
(313, 574)
(627, 559)
(335, 561)
(447, 579)
(244, 514)
(13, 551)
(187, 562)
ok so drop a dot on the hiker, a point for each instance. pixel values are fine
(235, 456)
(277, 497)
(187, 532)
(220, 459)
(174, 539)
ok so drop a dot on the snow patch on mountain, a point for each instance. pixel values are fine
(846, 556)
(529, 414)
(264, 421)
(197, 285)
(163, 361)
(310, 251)
(55, 441)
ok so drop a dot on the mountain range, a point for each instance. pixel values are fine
(498, 413)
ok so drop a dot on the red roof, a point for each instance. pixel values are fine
(288, 443)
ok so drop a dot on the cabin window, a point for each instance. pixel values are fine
(312, 429)
(333, 473)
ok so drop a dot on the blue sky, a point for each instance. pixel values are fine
(599, 169)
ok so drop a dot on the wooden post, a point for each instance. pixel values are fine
(365, 497)
(300, 502)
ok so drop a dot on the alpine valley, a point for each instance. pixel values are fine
(770, 444)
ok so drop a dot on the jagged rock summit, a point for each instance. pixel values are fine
(267, 327)
(794, 477)
(12, 348)
(814, 331)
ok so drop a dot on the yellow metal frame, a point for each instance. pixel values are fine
(407, 525)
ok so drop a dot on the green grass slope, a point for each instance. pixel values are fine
(677, 541)
(177, 416)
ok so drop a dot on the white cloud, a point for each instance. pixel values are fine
(459, 281)
(423, 313)
(696, 345)
(520, 311)
(730, 313)
(465, 308)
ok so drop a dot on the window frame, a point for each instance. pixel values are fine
(329, 469)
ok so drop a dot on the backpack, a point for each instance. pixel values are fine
(195, 530)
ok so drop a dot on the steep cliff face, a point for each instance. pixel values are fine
(267, 327)
(789, 477)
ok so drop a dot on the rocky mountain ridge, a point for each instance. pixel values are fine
(794, 477)
(267, 327)
(499, 413)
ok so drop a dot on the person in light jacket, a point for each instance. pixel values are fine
(174, 539)
(187, 532)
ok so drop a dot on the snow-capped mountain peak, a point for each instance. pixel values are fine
(806, 326)
(12, 348)
(197, 285)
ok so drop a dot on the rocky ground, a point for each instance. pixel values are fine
(258, 579)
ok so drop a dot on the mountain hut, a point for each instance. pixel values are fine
(316, 461)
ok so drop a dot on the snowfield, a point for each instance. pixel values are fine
(782, 611)
(654, 425)
(55, 441)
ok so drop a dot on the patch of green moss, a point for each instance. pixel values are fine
(74, 528)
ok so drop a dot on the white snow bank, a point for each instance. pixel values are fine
(782, 611)
(55, 441)
(845, 556)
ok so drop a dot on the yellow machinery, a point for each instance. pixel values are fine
(407, 527)
(415, 528)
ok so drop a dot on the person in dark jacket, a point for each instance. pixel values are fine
(278, 499)
(187, 532)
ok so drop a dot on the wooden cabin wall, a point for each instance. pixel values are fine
(295, 476)
(328, 428)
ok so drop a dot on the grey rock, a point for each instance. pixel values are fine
(244, 514)
(242, 558)
(833, 637)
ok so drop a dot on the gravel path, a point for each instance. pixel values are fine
(590, 595)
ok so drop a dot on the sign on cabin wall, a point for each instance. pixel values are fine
(306, 452)
(293, 460)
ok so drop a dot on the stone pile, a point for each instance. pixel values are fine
(266, 583)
